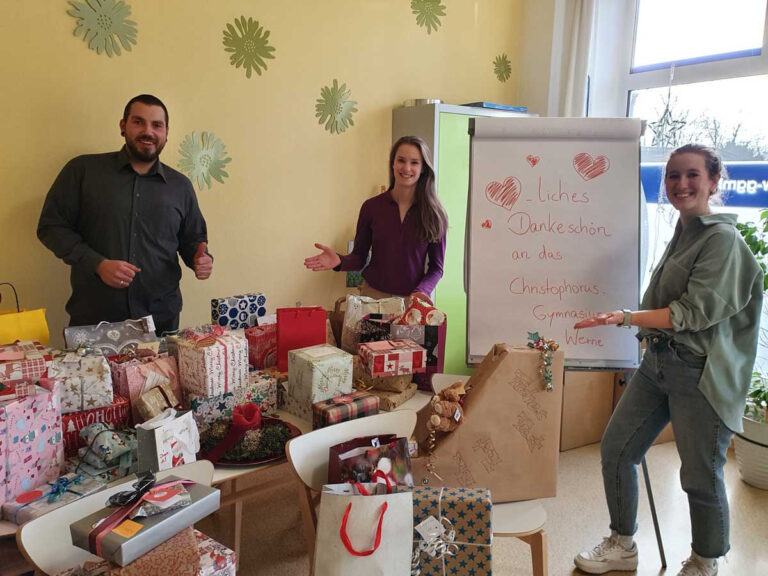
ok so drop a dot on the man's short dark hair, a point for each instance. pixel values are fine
(147, 99)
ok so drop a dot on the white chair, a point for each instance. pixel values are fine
(308, 455)
(523, 520)
(45, 541)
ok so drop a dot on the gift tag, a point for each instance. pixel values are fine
(430, 528)
(375, 442)
(457, 415)
(127, 529)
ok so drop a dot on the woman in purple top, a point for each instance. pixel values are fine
(403, 227)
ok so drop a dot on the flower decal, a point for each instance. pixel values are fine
(104, 25)
(249, 45)
(335, 108)
(502, 68)
(203, 158)
(428, 13)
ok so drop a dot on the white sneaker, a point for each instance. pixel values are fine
(696, 566)
(607, 556)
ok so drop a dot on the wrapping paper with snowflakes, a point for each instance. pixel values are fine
(315, 374)
(239, 311)
(469, 512)
(85, 378)
(34, 365)
(392, 357)
(215, 558)
(114, 337)
(116, 415)
(31, 447)
(142, 377)
(215, 365)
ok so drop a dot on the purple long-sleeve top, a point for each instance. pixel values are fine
(399, 255)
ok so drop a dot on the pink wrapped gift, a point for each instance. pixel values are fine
(142, 377)
(31, 448)
(26, 360)
(262, 346)
(392, 357)
(214, 362)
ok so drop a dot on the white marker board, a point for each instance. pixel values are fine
(553, 234)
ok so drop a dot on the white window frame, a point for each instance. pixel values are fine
(611, 81)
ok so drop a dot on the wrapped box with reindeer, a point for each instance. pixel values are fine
(506, 435)
(315, 374)
(392, 357)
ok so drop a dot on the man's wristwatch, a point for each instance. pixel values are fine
(627, 321)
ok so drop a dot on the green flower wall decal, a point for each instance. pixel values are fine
(428, 13)
(335, 108)
(249, 45)
(103, 24)
(502, 67)
(203, 158)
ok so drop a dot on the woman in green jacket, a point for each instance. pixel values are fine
(700, 319)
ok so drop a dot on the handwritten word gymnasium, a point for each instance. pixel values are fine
(403, 288)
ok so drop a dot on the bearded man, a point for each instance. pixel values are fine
(121, 220)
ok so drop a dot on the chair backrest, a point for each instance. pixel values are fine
(45, 541)
(308, 453)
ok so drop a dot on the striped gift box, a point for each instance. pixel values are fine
(342, 408)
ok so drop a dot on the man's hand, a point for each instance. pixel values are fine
(116, 273)
(203, 262)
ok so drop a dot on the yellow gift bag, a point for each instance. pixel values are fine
(21, 324)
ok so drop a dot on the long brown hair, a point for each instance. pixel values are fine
(431, 214)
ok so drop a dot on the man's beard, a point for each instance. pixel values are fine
(144, 156)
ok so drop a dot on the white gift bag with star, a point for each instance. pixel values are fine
(86, 379)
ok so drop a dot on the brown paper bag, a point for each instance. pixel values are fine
(510, 439)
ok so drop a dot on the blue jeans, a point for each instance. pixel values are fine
(665, 388)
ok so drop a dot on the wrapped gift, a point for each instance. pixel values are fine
(114, 337)
(167, 441)
(157, 399)
(240, 311)
(469, 513)
(43, 499)
(315, 374)
(123, 541)
(433, 339)
(358, 404)
(392, 357)
(16, 389)
(421, 313)
(213, 363)
(25, 361)
(143, 377)
(116, 415)
(357, 308)
(75, 465)
(215, 559)
(105, 447)
(262, 346)
(364, 381)
(85, 378)
(31, 448)
(389, 401)
(376, 327)
(119, 363)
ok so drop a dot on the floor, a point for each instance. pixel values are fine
(273, 543)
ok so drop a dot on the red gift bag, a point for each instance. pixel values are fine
(357, 460)
(298, 328)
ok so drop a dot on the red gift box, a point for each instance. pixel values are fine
(298, 328)
(342, 408)
(393, 357)
(262, 346)
(32, 366)
(116, 415)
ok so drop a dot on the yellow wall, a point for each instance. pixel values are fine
(291, 183)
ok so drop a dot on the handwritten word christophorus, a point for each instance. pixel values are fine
(541, 313)
(520, 286)
(520, 224)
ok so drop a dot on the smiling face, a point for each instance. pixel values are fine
(407, 166)
(689, 184)
(145, 130)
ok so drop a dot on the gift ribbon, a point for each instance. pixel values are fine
(437, 546)
(547, 349)
(345, 537)
(113, 520)
(245, 417)
(58, 487)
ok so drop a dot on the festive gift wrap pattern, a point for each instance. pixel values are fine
(142, 377)
(262, 346)
(376, 327)
(85, 377)
(116, 415)
(114, 337)
(469, 512)
(75, 465)
(342, 408)
(315, 374)
(261, 390)
(43, 499)
(364, 381)
(34, 364)
(240, 311)
(31, 448)
(392, 357)
(215, 558)
(215, 364)
(432, 338)
(389, 401)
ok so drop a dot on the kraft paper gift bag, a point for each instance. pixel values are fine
(363, 535)
(509, 441)
(20, 324)
(360, 306)
(168, 440)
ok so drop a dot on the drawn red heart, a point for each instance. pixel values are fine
(487, 225)
(504, 195)
(532, 160)
(589, 167)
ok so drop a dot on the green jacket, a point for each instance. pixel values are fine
(713, 287)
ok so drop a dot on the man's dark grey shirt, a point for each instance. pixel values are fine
(100, 208)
